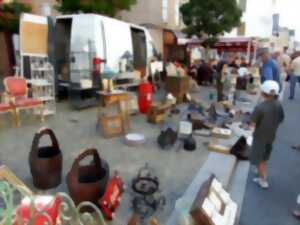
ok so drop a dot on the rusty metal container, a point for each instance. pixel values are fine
(46, 161)
(88, 182)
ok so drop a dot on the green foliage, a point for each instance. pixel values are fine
(106, 7)
(210, 17)
(10, 15)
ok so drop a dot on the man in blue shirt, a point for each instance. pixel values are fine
(270, 69)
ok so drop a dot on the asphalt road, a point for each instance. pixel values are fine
(273, 206)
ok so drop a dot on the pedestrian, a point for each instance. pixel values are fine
(284, 61)
(266, 118)
(204, 73)
(294, 75)
(221, 66)
(270, 68)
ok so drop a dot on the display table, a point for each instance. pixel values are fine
(109, 98)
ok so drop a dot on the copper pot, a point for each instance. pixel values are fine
(88, 182)
(46, 161)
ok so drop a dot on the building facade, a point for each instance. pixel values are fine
(159, 16)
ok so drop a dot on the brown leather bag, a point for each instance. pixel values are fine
(45, 162)
(88, 182)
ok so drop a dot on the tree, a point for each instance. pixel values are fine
(106, 7)
(210, 17)
(10, 15)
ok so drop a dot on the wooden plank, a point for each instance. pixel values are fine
(7, 175)
(33, 38)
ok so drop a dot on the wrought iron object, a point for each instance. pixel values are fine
(68, 213)
(146, 193)
(45, 162)
(88, 183)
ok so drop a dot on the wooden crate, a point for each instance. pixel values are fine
(111, 126)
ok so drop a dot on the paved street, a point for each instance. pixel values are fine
(273, 206)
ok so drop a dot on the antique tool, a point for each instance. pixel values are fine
(167, 137)
(112, 196)
(146, 194)
(88, 182)
(46, 161)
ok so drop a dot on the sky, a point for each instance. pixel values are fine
(259, 16)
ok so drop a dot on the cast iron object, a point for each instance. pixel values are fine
(167, 138)
(189, 143)
(146, 197)
(145, 183)
(45, 162)
(88, 182)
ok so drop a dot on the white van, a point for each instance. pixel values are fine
(81, 38)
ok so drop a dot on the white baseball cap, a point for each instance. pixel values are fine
(270, 87)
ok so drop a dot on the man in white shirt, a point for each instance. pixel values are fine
(294, 76)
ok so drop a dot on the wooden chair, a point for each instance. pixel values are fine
(17, 90)
(8, 108)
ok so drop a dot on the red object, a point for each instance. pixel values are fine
(26, 102)
(17, 88)
(112, 197)
(5, 107)
(97, 65)
(145, 96)
(46, 204)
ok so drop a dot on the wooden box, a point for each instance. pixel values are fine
(221, 133)
(111, 126)
(156, 113)
(215, 147)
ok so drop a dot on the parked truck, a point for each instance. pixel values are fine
(84, 45)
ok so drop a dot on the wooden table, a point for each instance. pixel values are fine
(109, 98)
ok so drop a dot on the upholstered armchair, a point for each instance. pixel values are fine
(17, 91)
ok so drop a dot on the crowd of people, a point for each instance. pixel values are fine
(276, 69)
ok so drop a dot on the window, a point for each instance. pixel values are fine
(165, 10)
(176, 12)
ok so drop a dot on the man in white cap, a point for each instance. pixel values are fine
(266, 119)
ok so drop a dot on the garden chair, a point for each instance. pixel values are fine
(17, 91)
(8, 108)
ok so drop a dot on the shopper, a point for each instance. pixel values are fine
(270, 68)
(204, 73)
(225, 62)
(266, 118)
(283, 60)
(294, 76)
